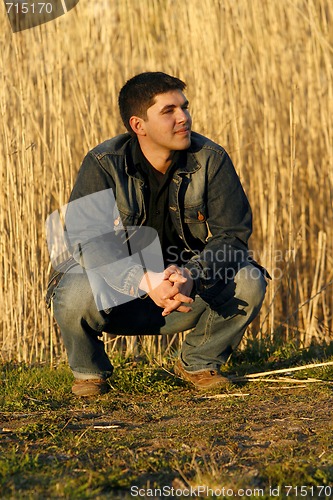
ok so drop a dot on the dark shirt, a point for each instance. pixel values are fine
(157, 202)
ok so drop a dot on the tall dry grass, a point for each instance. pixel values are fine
(259, 77)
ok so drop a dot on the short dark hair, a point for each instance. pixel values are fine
(138, 94)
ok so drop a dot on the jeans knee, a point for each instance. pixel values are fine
(73, 304)
(251, 285)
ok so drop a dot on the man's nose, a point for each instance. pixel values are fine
(182, 116)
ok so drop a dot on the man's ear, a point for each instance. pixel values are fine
(137, 125)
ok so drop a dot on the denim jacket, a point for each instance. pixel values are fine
(207, 203)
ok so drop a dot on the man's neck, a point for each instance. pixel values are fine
(159, 159)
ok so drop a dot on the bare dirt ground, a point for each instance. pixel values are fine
(258, 437)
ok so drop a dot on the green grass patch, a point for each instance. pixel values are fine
(153, 431)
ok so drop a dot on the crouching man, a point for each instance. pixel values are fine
(157, 228)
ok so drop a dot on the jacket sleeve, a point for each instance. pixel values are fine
(229, 225)
(91, 237)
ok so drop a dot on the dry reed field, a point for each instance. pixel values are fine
(260, 82)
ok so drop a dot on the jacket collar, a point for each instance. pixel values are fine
(187, 163)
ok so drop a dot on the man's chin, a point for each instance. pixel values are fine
(185, 143)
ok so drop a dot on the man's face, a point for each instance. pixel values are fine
(168, 124)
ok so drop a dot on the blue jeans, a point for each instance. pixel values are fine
(217, 322)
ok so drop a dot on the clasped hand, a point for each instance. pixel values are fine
(170, 289)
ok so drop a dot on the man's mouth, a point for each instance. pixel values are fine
(183, 130)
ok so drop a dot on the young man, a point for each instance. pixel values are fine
(163, 176)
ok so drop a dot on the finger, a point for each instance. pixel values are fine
(173, 269)
(170, 270)
(172, 306)
(184, 309)
(181, 308)
(177, 278)
(183, 298)
(175, 294)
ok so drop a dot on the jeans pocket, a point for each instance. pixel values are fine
(52, 284)
(56, 277)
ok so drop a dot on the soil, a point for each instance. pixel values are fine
(257, 436)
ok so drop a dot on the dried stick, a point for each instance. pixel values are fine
(222, 396)
(283, 370)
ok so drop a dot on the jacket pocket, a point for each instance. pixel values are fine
(122, 219)
(195, 219)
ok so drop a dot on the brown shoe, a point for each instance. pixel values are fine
(90, 387)
(203, 379)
